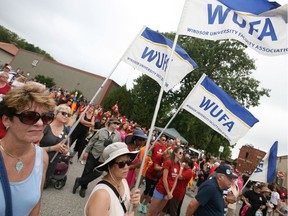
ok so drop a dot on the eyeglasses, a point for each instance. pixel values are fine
(31, 117)
(66, 114)
(122, 164)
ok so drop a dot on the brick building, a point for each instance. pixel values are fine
(33, 64)
(249, 158)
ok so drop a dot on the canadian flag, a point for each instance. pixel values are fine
(115, 107)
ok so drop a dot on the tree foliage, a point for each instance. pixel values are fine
(227, 64)
(124, 99)
(47, 81)
(10, 37)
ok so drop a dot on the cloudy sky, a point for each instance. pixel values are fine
(92, 35)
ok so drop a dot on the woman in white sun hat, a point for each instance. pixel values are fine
(111, 196)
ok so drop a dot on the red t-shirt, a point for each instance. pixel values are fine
(181, 185)
(5, 89)
(153, 174)
(158, 149)
(173, 170)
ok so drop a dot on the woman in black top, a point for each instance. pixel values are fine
(52, 141)
(81, 131)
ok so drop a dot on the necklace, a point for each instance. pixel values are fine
(19, 164)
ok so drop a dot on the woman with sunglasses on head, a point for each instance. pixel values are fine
(25, 111)
(165, 186)
(111, 196)
(52, 141)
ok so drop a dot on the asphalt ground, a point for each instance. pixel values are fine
(62, 202)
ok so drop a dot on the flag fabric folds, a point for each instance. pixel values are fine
(216, 108)
(210, 19)
(150, 52)
(252, 6)
(266, 169)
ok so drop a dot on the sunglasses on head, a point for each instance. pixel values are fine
(117, 123)
(65, 114)
(122, 164)
(31, 117)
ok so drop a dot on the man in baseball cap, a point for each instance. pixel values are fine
(209, 199)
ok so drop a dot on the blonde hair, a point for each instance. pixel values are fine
(4, 74)
(26, 96)
(62, 107)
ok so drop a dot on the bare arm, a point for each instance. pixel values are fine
(165, 183)
(36, 210)
(192, 207)
(98, 204)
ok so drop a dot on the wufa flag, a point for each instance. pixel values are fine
(266, 33)
(217, 109)
(150, 52)
(266, 169)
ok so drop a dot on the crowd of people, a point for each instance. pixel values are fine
(35, 124)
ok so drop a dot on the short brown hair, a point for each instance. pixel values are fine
(23, 97)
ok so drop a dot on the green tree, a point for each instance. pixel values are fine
(227, 64)
(145, 94)
(10, 37)
(124, 99)
(48, 81)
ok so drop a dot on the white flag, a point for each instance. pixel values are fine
(266, 33)
(266, 169)
(217, 109)
(150, 52)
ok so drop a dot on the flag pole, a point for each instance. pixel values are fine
(87, 107)
(155, 115)
(94, 97)
(156, 109)
(180, 107)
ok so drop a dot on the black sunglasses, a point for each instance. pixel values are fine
(122, 164)
(140, 139)
(31, 117)
(66, 114)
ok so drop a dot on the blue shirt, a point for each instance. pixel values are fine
(25, 194)
(210, 198)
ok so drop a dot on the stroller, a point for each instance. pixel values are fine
(59, 177)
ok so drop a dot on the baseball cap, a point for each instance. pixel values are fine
(226, 170)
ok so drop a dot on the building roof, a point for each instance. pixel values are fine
(9, 48)
(172, 132)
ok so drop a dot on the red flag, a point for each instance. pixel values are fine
(115, 107)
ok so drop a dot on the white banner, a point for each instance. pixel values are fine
(149, 53)
(210, 19)
(217, 109)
